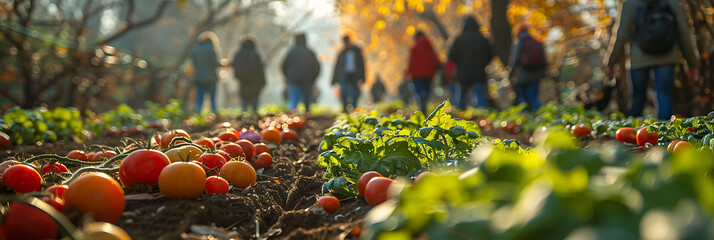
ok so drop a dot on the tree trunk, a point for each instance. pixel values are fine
(501, 30)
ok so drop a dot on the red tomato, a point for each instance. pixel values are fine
(22, 179)
(228, 136)
(224, 154)
(112, 131)
(216, 184)
(59, 205)
(364, 179)
(97, 194)
(376, 190)
(123, 180)
(136, 130)
(102, 156)
(27, 222)
(55, 167)
(265, 160)
(248, 148)
(212, 160)
(169, 136)
(144, 166)
(57, 190)
(223, 125)
(646, 137)
(329, 203)
(691, 129)
(261, 148)
(233, 150)
(205, 142)
(78, 155)
(297, 123)
(626, 135)
(289, 135)
(4, 140)
(581, 130)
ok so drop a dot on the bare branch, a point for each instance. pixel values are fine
(130, 25)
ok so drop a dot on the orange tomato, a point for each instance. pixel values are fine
(271, 135)
(682, 146)
(240, 174)
(182, 180)
(182, 153)
(97, 194)
(670, 147)
(167, 137)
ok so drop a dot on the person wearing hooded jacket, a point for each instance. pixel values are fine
(205, 64)
(471, 52)
(301, 69)
(423, 63)
(641, 64)
(528, 77)
(248, 68)
(349, 73)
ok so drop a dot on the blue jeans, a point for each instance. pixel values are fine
(297, 92)
(199, 97)
(528, 92)
(349, 91)
(422, 88)
(479, 89)
(453, 89)
(664, 83)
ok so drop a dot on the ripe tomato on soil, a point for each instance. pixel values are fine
(644, 137)
(216, 184)
(22, 178)
(97, 194)
(272, 135)
(233, 150)
(670, 147)
(580, 130)
(144, 166)
(329, 203)
(182, 180)
(376, 190)
(4, 140)
(78, 155)
(212, 160)
(55, 167)
(240, 174)
(289, 135)
(248, 148)
(57, 190)
(364, 179)
(169, 136)
(183, 153)
(228, 136)
(265, 160)
(261, 148)
(205, 142)
(101, 156)
(626, 135)
(682, 146)
(15, 223)
(56, 203)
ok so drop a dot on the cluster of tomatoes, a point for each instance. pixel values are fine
(372, 186)
(179, 166)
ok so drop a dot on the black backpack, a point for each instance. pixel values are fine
(656, 31)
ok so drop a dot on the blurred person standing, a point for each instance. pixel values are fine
(423, 63)
(349, 74)
(248, 68)
(471, 53)
(529, 64)
(205, 64)
(657, 32)
(378, 89)
(449, 75)
(301, 69)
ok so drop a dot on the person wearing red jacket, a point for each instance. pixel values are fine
(423, 63)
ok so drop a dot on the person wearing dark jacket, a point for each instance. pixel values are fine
(301, 69)
(423, 63)
(205, 64)
(528, 77)
(641, 63)
(471, 52)
(248, 68)
(349, 73)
